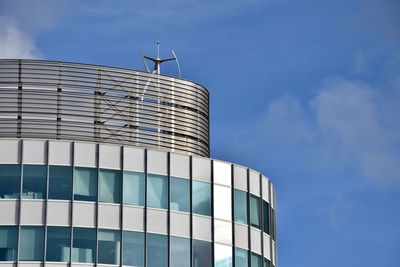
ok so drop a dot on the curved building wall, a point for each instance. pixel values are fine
(69, 101)
(72, 202)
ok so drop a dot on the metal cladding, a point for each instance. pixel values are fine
(69, 101)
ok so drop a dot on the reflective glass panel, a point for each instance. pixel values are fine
(34, 182)
(134, 188)
(222, 202)
(60, 182)
(202, 253)
(58, 243)
(110, 186)
(109, 246)
(223, 255)
(157, 250)
(85, 184)
(255, 211)
(266, 216)
(180, 252)
(8, 243)
(255, 260)
(267, 263)
(10, 180)
(32, 243)
(241, 257)
(201, 198)
(84, 245)
(180, 194)
(157, 191)
(133, 246)
(240, 206)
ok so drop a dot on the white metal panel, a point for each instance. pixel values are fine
(201, 228)
(110, 156)
(133, 159)
(84, 214)
(7, 264)
(9, 212)
(32, 212)
(201, 168)
(180, 165)
(222, 173)
(58, 212)
(223, 232)
(267, 247)
(274, 261)
(57, 264)
(157, 221)
(85, 154)
(255, 237)
(265, 189)
(109, 216)
(180, 224)
(133, 218)
(60, 153)
(34, 152)
(241, 236)
(254, 183)
(9, 151)
(157, 162)
(240, 177)
(272, 192)
(30, 264)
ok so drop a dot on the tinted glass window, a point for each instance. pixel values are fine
(241, 259)
(58, 243)
(8, 243)
(110, 186)
(223, 256)
(10, 181)
(84, 245)
(85, 184)
(109, 246)
(266, 216)
(180, 252)
(60, 182)
(201, 198)
(133, 246)
(255, 260)
(32, 243)
(157, 191)
(157, 250)
(222, 202)
(34, 182)
(240, 206)
(180, 194)
(255, 211)
(267, 263)
(202, 251)
(134, 188)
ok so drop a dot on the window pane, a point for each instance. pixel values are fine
(223, 256)
(34, 182)
(157, 191)
(255, 211)
(222, 202)
(255, 260)
(8, 243)
(201, 198)
(110, 186)
(32, 243)
(58, 243)
(84, 245)
(202, 253)
(240, 206)
(60, 182)
(180, 189)
(266, 216)
(10, 181)
(134, 188)
(267, 263)
(85, 184)
(180, 252)
(133, 246)
(241, 259)
(157, 250)
(109, 246)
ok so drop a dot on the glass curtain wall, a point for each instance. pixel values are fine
(157, 250)
(157, 191)
(180, 252)
(133, 248)
(58, 243)
(201, 198)
(85, 184)
(32, 243)
(180, 194)
(241, 257)
(110, 186)
(240, 206)
(60, 182)
(133, 191)
(202, 253)
(109, 246)
(10, 181)
(84, 245)
(8, 243)
(34, 182)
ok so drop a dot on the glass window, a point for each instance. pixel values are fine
(240, 206)
(10, 181)
(157, 191)
(134, 188)
(267, 263)
(180, 194)
(255, 211)
(58, 243)
(201, 198)
(110, 186)
(133, 248)
(85, 184)
(157, 250)
(255, 260)
(84, 245)
(202, 253)
(273, 223)
(222, 202)
(266, 217)
(8, 243)
(241, 257)
(34, 182)
(180, 252)
(60, 182)
(109, 246)
(32, 243)
(223, 255)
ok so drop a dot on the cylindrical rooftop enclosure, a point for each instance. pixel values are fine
(69, 101)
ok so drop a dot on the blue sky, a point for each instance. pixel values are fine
(305, 91)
